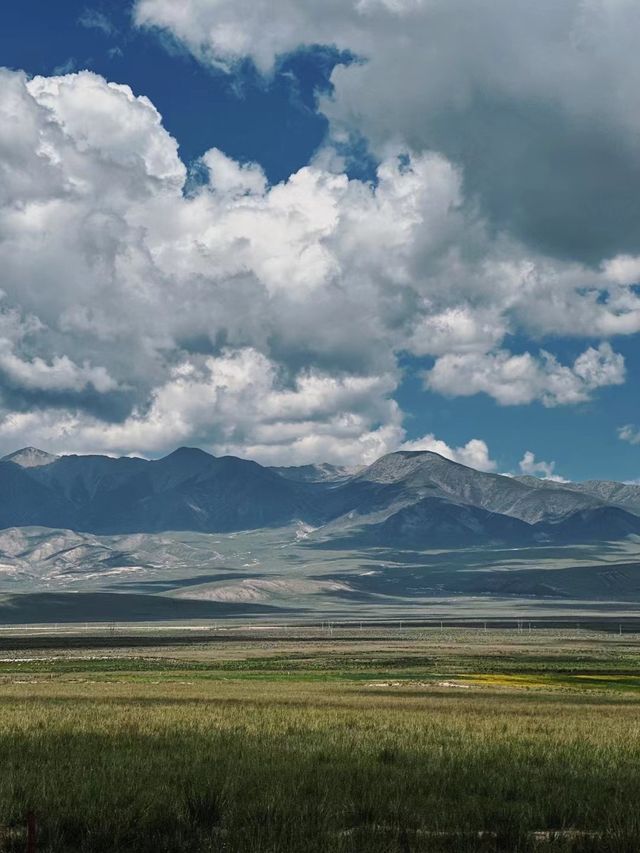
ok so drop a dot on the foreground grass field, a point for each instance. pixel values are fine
(396, 741)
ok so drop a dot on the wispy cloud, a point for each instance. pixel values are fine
(629, 433)
(65, 67)
(93, 19)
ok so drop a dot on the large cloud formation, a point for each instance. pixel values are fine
(256, 319)
(538, 102)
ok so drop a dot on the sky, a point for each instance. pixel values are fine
(300, 232)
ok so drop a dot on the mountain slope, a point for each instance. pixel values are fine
(409, 476)
(187, 490)
(436, 522)
(623, 495)
(24, 501)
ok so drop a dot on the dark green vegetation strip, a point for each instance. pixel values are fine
(605, 671)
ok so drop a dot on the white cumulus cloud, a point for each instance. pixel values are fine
(532, 467)
(266, 320)
(518, 379)
(474, 454)
(538, 102)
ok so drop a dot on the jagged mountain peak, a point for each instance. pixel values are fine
(30, 457)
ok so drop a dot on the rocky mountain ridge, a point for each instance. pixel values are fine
(408, 497)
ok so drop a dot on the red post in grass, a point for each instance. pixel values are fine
(32, 831)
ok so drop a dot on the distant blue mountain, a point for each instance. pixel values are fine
(414, 498)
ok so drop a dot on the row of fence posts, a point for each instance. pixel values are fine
(520, 626)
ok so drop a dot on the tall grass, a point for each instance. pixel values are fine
(296, 766)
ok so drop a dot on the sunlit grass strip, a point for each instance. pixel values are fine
(554, 681)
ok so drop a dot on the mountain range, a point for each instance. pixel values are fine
(412, 499)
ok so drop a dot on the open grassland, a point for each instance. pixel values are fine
(363, 741)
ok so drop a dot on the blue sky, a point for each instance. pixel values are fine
(275, 123)
(514, 198)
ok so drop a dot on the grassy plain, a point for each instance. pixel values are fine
(309, 740)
